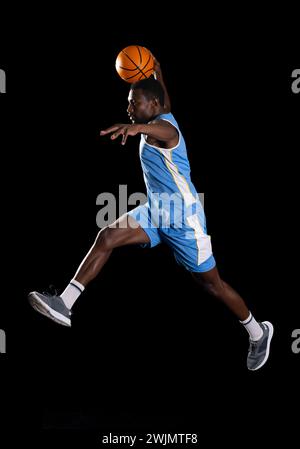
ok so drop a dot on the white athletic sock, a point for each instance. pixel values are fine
(253, 328)
(71, 293)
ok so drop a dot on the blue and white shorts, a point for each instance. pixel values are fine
(184, 233)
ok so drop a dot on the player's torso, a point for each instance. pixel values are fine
(167, 171)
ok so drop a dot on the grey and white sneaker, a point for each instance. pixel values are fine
(259, 350)
(51, 306)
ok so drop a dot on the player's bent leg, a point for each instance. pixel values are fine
(212, 283)
(125, 231)
(259, 347)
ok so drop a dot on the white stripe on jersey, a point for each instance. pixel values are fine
(202, 239)
(180, 181)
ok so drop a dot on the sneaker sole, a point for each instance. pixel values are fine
(44, 309)
(271, 332)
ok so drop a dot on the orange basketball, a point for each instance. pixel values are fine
(134, 63)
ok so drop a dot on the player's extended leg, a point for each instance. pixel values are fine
(125, 231)
(211, 282)
(260, 333)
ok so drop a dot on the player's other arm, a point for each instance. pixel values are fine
(159, 76)
(158, 129)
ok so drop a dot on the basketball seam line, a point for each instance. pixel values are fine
(139, 54)
(138, 68)
(141, 73)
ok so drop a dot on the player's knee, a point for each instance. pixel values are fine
(212, 288)
(105, 239)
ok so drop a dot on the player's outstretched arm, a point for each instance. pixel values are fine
(160, 130)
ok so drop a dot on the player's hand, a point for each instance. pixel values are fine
(121, 129)
(157, 68)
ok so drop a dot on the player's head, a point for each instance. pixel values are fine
(146, 100)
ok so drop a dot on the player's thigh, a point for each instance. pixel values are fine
(126, 231)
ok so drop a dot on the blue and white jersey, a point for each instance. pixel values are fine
(167, 174)
(167, 170)
(173, 213)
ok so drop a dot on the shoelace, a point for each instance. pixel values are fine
(51, 291)
(253, 346)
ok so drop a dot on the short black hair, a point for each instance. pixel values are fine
(151, 88)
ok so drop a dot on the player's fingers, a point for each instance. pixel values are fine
(117, 133)
(109, 130)
(124, 138)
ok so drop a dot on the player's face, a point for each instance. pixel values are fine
(140, 109)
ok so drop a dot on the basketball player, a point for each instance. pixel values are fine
(183, 227)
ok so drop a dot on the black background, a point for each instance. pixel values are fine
(148, 351)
